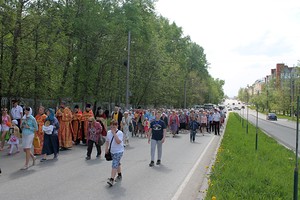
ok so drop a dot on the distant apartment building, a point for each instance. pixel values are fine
(281, 74)
(257, 86)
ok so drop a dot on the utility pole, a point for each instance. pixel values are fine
(127, 74)
(247, 109)
(296, 165)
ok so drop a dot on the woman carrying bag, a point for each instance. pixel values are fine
(114, 142)
(93, 135)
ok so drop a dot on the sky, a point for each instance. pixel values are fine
(242, 39)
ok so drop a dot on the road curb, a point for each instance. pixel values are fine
(204, 185)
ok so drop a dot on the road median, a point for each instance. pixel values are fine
(241, 172)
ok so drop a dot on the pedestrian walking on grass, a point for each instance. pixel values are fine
(156, 137)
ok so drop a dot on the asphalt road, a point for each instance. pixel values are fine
(181, 175)
(283, 130)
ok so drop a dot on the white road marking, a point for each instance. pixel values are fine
(188, 177)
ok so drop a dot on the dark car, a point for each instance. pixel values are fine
(272, 116)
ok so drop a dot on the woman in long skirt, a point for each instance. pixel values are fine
(173, 123)
(51, 145)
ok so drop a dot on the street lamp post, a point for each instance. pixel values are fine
(185, 93)
(292, 104)
(256, 129)
(243, 117)
(247, 110)
(296, 166)
(127, 72)
(267, 98)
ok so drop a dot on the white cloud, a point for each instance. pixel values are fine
(243, 40)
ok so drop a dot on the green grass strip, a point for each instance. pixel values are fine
(241, 172)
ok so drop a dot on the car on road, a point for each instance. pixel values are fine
(272, 116)
(236, 108)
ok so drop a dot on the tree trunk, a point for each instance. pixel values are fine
(1, 62)
(15, 47)
(66, 68)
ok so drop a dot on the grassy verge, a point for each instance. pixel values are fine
(241, 172)
(280, 116)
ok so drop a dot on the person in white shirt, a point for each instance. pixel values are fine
(216, 121)
(114, 142)
(16, 112)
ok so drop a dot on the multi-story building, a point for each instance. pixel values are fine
(257, 86)
(282, 73)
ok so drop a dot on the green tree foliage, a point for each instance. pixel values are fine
(77, 50)
(276, 95)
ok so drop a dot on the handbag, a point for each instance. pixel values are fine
(36, 142)
(101, 140)
(108, 155)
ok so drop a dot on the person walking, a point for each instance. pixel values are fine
(164, 117)
(203, 122)
(216, 121)
(182, 121)
(174, 123)
(77, 114)
(5, 124)
(94, 131)
(14, 137)
(193, 125)
(86, 115)
(40, 119)
(114, 140)
(126, 122)
(101, 117)
(50, 129)
(210, 122)
(29, 126)
(146, 125)
(156, 137)
(117, 115)
(16, 112)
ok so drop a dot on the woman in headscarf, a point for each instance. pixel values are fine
(29, 126)
(174, 123)
(126, 122)
(51, 144)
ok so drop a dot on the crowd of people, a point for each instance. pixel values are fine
(50, 131)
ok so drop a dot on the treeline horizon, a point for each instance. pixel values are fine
(77, 50)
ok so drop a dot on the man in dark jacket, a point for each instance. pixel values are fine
(117, 115)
